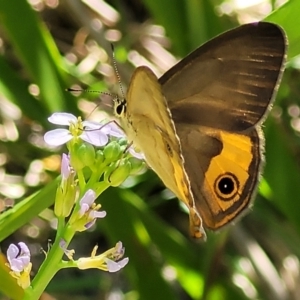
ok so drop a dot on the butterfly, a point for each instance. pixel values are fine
(199, 125)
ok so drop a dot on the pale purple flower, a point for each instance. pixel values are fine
(89, 209)
(18, 257)
(91, 132)
(107, 261)
(114, 264)
(86, 203)
(119, 250)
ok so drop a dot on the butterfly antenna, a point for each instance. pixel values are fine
(89, 91)
(116, 70)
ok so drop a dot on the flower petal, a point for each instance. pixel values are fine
(65, 166)
(122, 263)
(83, 209)
(90, 224)
(95, 137)
(138, 155)
(68, 253)
(12, 252)
(62, 119)
(91, 125)
(18, 256)
(114, 266)
(16, 265)
(113, 130)
(88, 198)
(110, 128)
(24, 250)
(97, 214)
(119, 249)
(57, 137)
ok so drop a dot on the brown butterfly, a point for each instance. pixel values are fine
(199, 125)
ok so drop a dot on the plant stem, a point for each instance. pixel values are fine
(49, 267)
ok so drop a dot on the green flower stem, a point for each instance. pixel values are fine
(100, 187)
(95, 176)
(49, 267)
(81, 180)
(60, 225)
(68, 264)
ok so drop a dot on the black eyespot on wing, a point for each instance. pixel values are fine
(226, 186)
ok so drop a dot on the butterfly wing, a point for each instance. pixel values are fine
(218, 96)
(228, 82)
(223, 168)
(149, 126)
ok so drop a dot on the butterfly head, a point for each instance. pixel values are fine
(120, 106)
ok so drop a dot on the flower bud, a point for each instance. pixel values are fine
(99, 157)
(112, 152)
(65, 198)
(75, 160)
(117, 173)
(86, 153)
(137, 165)
(66, 191)
(123, 141)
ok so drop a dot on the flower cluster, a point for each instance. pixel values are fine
(86, 172)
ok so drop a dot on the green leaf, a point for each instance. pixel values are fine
(281, 172)
(288, 17)
(24, 211)
(37, 52)
(9, 286)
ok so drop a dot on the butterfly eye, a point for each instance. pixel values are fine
(226, 186)
(120, 107)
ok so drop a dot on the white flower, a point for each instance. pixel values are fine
(91, 132)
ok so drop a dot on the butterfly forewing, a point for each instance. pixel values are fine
(149, 126)
(228, 82)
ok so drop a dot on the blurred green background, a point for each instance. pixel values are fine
(49, 45)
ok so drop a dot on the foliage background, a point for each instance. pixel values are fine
(46, 46)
